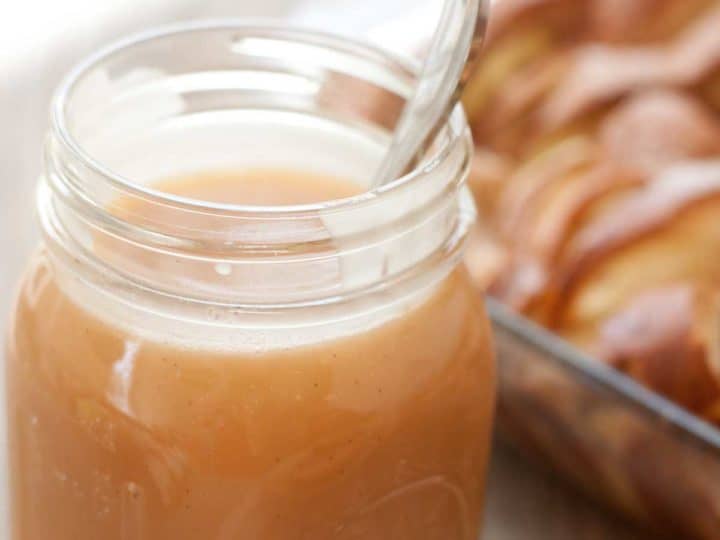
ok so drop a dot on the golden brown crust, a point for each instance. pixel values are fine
(609, 130)
(536, 82)
(696, 54)
(580, 190)
(612, 21)
(618, 20)
(599, 75)
(526, 187)
(540, 243)
(563, 16)
(659, 128)
(654, 213)
(610, 220)
(508, 119)
(602, 73)
(662, 339)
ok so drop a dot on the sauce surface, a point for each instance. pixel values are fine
(380, 434)
(260, 187)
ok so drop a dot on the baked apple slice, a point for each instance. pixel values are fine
(667, 232)
(668, 340)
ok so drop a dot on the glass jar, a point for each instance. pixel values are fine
(183, 369)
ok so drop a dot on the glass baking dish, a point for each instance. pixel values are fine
(619, 442)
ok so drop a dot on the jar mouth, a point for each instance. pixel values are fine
(125, 186)
(193, 98)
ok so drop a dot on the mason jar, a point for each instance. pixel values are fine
(186, 368)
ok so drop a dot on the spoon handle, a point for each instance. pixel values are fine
(451, 60)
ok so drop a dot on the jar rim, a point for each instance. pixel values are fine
(404, 235)
(253, 27)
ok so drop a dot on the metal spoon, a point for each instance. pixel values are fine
(451, 60)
